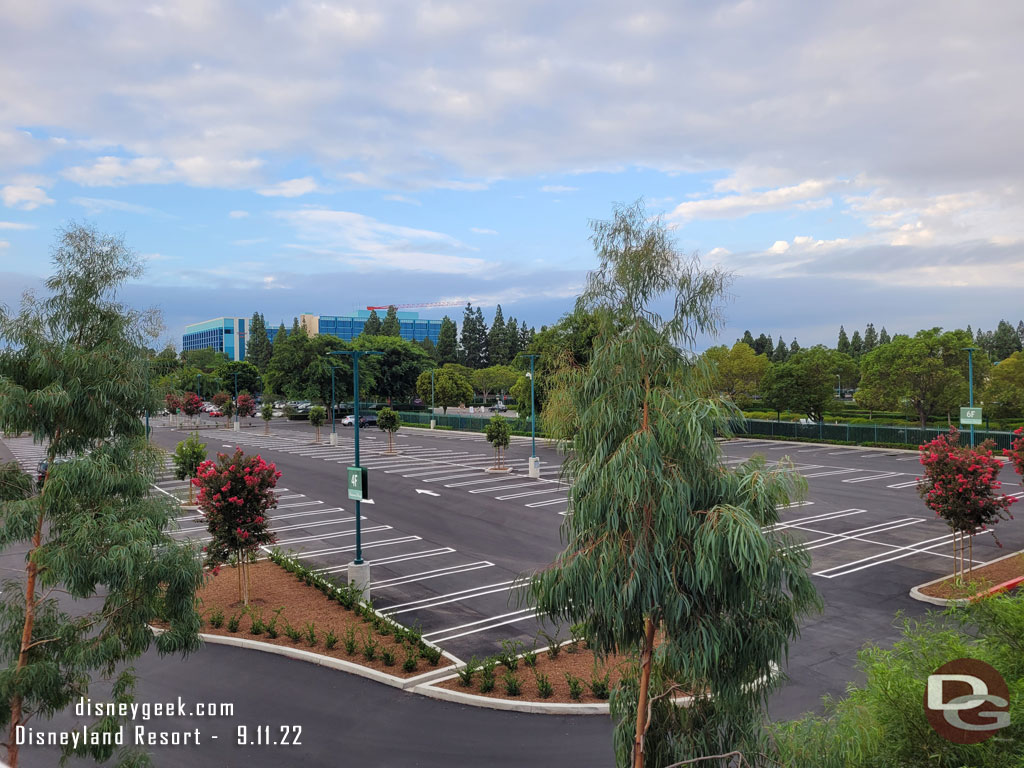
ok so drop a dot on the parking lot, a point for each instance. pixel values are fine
(447, 544)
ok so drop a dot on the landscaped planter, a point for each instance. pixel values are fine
(998, 575)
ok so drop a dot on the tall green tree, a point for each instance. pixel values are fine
(474, 337)
(493, 379)
(372, 326)
(429, 347)
(1004, 341)
(257, 347)
(794, 347)
(526, 336)
(856, 345)
(512, 339)
(497, 340)
(450, 388)
(843, 344)
(807, 382)
(395, 372)
(781, 353)
(662, 540)
(762, 345)
(737, 372)
(249, 379)
(390, 325)
(447, 342)
(73, 374)
(748, 339)
(870, 339)
(883, 336)
(1004, 391)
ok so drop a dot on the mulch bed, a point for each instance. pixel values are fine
(271, 588)
(978, 580)
(581, 664)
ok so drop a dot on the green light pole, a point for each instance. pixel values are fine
(236, 425)
(970, 381)
(358, 571)
(199, 392)
(534, 463)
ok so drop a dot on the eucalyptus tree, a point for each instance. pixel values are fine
(73, 373)
(667, 560)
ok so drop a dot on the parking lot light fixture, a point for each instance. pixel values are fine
(235, 374)
(970, 382)
(355, 354)
(534, 465)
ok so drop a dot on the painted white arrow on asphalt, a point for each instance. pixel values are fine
(367, 501)
(429, 493)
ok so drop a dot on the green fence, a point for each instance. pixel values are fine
(860, 433)
(463, 423)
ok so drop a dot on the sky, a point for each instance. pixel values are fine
(846, 162)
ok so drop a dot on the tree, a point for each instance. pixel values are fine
(856, 345)
(762, 345)
(520, 392)
(806, 383)
(662, 540)
(781, 353)
(447, 343)
(474, 337)
(388, 421)
(187, 457)
(257, 346)
(1004, 391)
(395, 372)
(220, 398)
(228, 409)
(843, 344)
(497, 340)
(794, 347)
(738, 371)
(1005, 341)
(266, 413)
(246, 406)
(960, 486)
(390, 326)
(172, 400)
(748, 339)
(1020, 331)
(924, 375)
(870, 339)
(249, 379)
(497, 378)
(207, 360)
(526, 337)
(372, 326)
(450, 388)
(74, 373)
(191, 404)
(499, 436)
(883, 337)
(429, 347)
(235, 494)
(15, 485)
(317, 416)
(512, 339)
(1016, 452)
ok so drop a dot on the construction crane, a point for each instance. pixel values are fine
(422, 304)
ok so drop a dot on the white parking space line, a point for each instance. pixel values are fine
(299, 539)
(534, 504)
(352, 548)
(298, 504)
(883, 476)
(491, 623)
(906, 484)
(812, 519)
(465, 594)
(523, 494)
(502, 488)
(917, 548)
(411, 556)
(857, 534)
(434, 574)
(794, 505)
(479, 481)
(834, 472)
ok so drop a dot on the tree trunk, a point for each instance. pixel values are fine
(266, 427)
(645, 683)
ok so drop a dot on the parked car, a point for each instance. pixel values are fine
(368, 421)
(348, 421)
(499, 407)
(41, 470)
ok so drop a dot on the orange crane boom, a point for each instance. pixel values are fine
(421, 304)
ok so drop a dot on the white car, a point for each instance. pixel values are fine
(348, 421)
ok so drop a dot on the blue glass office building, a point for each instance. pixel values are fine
(347, 327)
(224, 334)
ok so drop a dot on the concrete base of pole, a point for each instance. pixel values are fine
(432, 423)
(359, 576)
(334, 438)
(534, 466)
(236, 426)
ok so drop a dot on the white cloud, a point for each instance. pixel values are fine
(111, 171)
(364, 242)
(97, 205)
(290, 188)
(557, 189)
(16, 225)
(24, 197)
(740, 205)
(402, 199)
(483, 231)
(239, 214)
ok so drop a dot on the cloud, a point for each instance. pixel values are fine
(197, 170)
(26, 197)
(365, 242)
(402, 199)
(16, 225)
(97, 205)
(745, 204)
(557, 189)
(482, 231)
(238, 214)
(290, 188)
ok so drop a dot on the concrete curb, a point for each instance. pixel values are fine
(754, 438)
(945, 602)
(507, 705)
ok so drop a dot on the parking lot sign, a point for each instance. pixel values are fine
(358, 483)
(970, 416)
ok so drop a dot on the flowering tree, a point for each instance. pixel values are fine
(173, 403)
(1016, 452)
(191, 404)
(220, 399)
(960, 486)
(246, 406)
(497, 434)
(235, 493)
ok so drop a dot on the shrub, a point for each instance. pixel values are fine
(575, 687)
(217, 618)
(599, 686)
(431, 654)
(272, 624)
(554, 647)
(530, 658)
(292, 633)
(257, 627)
(350, 641)
(468, 671)
(388, 657)
(411, 660)
(370, 646)
(233, 622)
(512, 685)
(510, 654)
(330, 640)
(544, 687)
(310, 634)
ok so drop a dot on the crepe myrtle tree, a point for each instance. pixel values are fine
(235, 494)
(74, 373)
(960, 485)
(498, 435)
(1016, 452)
(191, 404)
(266, 413)
(317, 417)
(388, 421)
(663, 540)
(172, 400)
(246, 406)
(187, 457)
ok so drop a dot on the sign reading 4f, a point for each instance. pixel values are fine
(358, 483)
(970, 416)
